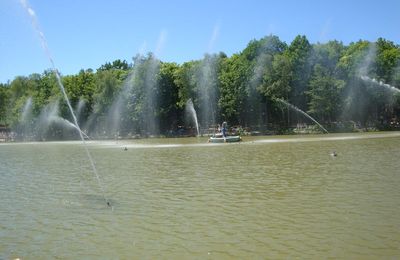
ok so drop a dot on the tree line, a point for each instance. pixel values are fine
(341, 86)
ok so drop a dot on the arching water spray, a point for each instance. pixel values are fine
(43, 41)
(375, 82)
(66, 123)
(302, 112)
(190, 109)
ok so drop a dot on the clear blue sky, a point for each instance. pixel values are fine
(87, 33)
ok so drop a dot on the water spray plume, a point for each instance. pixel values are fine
(67, 123)
(35, 24)
(27, 109)
(302, 112)
(379, 83)
(161, 42)
(190, 109)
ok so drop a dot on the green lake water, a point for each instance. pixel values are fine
(266, 197)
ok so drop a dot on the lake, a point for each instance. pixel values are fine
(266, 197)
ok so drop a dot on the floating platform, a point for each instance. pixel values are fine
(228, 139)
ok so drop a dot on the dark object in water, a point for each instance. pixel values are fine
(126, 148)
(108, 204)
(334, 154)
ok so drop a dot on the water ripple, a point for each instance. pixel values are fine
(286, 198)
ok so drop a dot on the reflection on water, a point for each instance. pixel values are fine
(268, 197)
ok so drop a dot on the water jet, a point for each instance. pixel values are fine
(376, 83)
(45, 47)
(302, 112)
(189, 108)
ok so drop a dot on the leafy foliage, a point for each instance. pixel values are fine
(148, 96)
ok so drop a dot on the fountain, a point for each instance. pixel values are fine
(66, 123)
(151, 103)
(377, 83)
(207, 90)
(186, 195)
(302, 112)
(81, 104)
(27, 110)
(34, 127)
(115, 115)
(189, 109)
(42, 122)
(43, 41)
(26, 118)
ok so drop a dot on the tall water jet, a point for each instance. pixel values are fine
(302, 112)
(367, 61)
(118, 110)
(253, 106)
(189, 109)
(81, 104)
(27, 110)
(26, 120)
(35, 24)
(135, 107)
(207, 90)
(150, 94)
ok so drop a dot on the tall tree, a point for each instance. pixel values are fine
(185, 80)
(277, 85)
(387, 59)
(233, 79)
(299, 52)
(168, 107)
(4, 103)
(325, 94)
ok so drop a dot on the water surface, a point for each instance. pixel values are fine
(267, 197)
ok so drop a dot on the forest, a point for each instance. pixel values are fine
(261, 89)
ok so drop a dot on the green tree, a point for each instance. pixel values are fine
(387, 59)
(81, 88)
(277, 81)
(299, 52)
(267, 45)
(325, 94)
(184, 79)
(168, 112)
(47, 91)
(20, 90)
(107, 86)
(260, 55)
(142, 103)
(352, 59)
(233, 83)
(327, 55)
(117, 64)
(328, 80)
(4, 103)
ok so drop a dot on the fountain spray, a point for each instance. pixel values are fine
(377, 83)
(190, 109)
(302, 112)
(45, 47)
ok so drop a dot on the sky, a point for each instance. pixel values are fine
(83, 34)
